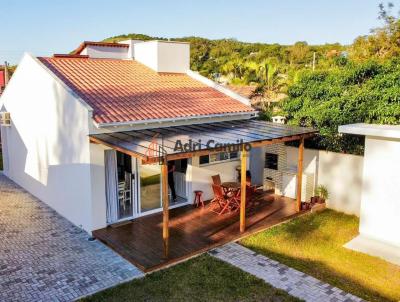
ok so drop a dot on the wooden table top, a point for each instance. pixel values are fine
(231, 185)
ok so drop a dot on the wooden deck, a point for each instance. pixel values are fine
(192, 231)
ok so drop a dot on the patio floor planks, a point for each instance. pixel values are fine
(192, 231)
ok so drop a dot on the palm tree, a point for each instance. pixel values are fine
(271, 81)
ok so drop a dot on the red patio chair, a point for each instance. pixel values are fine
(216, 179)
(219, 197)
(226, 204)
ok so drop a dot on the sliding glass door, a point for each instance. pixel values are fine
(120, 186)
(150, 187)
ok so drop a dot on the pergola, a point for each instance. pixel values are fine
(168, 143)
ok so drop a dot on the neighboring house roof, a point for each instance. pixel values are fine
(84, 44)
(126, 91)
(246, 91)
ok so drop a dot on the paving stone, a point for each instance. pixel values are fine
(298, 284)
(44, 257)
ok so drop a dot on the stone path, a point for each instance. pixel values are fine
(281, 276)
(43, 257)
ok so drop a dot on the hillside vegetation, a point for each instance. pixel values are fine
(326, 85)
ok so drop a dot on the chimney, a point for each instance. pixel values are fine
(278, 119)
(164, 56)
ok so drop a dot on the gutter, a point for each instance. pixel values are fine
(165, 120)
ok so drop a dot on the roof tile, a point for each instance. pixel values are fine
(125, 90)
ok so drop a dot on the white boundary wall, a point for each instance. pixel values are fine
(342, 174)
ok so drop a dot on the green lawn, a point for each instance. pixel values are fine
(314, 244)
(200, 279)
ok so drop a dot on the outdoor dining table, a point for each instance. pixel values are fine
(232, 191)
(231, 187)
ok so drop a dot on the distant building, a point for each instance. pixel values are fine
(2, 80)
(257, 100)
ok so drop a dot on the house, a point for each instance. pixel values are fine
(380, 206)
(92, 133)
(257, 100)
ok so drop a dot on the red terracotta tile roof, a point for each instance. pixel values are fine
(83, 45)
(125, 91)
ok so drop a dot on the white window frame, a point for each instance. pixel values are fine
(220, 161)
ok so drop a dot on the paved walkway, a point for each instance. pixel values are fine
(281, 276)
(43, 257)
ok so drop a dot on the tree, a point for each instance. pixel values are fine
(298, 53)
(383, 43)
(357, 93)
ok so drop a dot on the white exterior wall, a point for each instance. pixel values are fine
(48, 144)
(200, 176)
(340, 173)
(380, 208)
(164, 56)
(173, 57)
(98, 186)
(131, 50)
(106, 52)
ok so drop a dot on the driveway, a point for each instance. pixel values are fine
(43, 257)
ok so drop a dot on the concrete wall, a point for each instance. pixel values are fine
(380, 208)
(340, 173)
(47, 144)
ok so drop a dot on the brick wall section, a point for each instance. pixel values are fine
(276, 175)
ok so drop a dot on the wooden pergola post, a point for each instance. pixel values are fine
(243, 170)
(300, 174)
(165, 204)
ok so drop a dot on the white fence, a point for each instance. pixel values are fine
(340, 173)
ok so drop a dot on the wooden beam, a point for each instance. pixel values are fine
(243, 170)
(300, 174)
(165, 203)
(177, 156)
(120, 149)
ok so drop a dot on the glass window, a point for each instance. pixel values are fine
(205, 159)
(216, 157)
(271, 161)
(233, 155)
(223, 156)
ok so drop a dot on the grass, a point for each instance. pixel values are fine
(314, 244)
(150, 180)
(200, 279)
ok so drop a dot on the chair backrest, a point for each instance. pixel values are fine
(216, 179)
(218, 192)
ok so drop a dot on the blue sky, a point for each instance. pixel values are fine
(47, 27)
